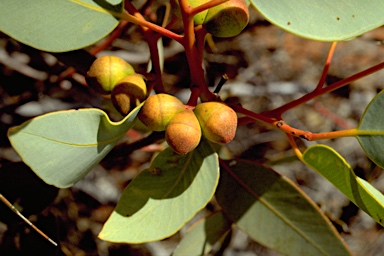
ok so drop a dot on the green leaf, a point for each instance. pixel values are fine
(161, 199)
(373, 120)
(335, 169)
(275, 212)
(323, 20)
(201, 237)
(62, 147)
(58, 25)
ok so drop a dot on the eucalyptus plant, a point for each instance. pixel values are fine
(62, 147)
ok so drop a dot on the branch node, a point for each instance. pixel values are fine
(280, 123)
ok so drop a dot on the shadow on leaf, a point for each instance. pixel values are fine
(169, 176)
(249, 181)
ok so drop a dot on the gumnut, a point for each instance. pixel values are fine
(183, 132)
(158, 110)
(128, 93)
(218, 121)
(227, 19)
(199, 18)
(106, 71)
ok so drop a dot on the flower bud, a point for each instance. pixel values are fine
(227, 19)
(106, 71)
(128, 93)
(183, 132)
(158, 110)
(218, 121)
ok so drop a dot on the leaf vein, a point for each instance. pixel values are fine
(99, 143)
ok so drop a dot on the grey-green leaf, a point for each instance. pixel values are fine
(62, 147)
(58, 25)
(275, 212)
(203, 235)
(163, 198)
(373, 121)
(334, 168)
(323, 20)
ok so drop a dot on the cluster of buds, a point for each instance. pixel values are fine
(184, 125)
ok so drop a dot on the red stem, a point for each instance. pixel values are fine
(195, 92)
(195, 67)
(252, 115)
(326, 66)
(281, 125)
(200, 42)
(173, 21)
(315, 136)
(151, 40)
(135, 16)
(155, 58)
(188, 41)
(316, 93)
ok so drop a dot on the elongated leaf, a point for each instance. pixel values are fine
(58, 25)
(324, 20)
(334, 168)
(203, 235)
(276, 213)
(373, 120)
(161, 199)
(62, 147)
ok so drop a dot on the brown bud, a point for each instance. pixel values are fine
(183, 132)
(227, 19)
(106, 71)
(218, 121)
(128, 93)
(158, 110)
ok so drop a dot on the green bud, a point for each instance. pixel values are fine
(218, 121)
(106, 71)
(158, 110)
(128, 93)
(227, 19)
(183, 132)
